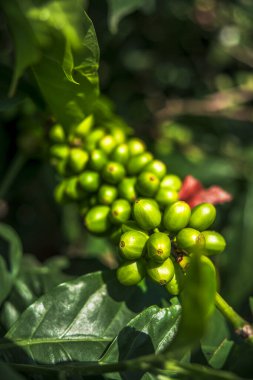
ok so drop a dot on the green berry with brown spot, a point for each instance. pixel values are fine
(161, 273)
(120, 211)
(132, 244)
(158, 247)
(147, 184)
(113, 172)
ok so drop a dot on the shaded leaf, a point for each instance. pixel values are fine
(6, 372)
(10, 259)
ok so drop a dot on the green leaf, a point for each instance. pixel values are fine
(150, 331)
(67, 73)
(74, 321)
(10, 259)
(216, 343)
(121, 8)
(32, 282)
(27, 51)
(251, 304)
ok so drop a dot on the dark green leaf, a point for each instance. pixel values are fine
(150, 331)
(10, 259)
(31, 283)
(76, 320)
(7, 373)
(27, 51)
(251, 304)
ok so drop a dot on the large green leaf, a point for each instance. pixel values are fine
(150, 331)
(10, 259)
(216, 343)
(121, 8)
(74, 321)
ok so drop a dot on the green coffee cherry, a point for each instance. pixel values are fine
(59, 151)
(72, 189)
(165, 197)
(162, 273)
(97, 219)
(171, 181)
(57, 134)
(120, 211)
(156, 167)
(176, 284)
(107, 144)
(190, 240)
(131, 225)
(137, 163)
(121, 154)
(59, 192)
(118, 133)
(127, 190)
(176, 216)
(77, 160)
(147, 184)
(113, 172)
(136, 146)
(214, 243)
(98, 159)
(82, 129)
(94, 137)
(184, 262)
(61, 166)
(131, 272)
(202, 216)
(158, 247)
(89, 181)
(132, 244)
(147, 214)
(107, 194)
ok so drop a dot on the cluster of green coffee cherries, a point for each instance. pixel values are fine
(125, 194)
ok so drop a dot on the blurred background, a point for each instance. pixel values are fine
(181, 74)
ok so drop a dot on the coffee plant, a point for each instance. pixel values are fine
(148, 304)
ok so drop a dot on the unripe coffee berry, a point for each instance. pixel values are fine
(147, 214)
(127, 190)
(107, 194)
(59, 192)
(214, 243)
(120, 211)
(165, 197)
(131, 225)
(82, 129)
(137, 163)
(171, 181)
(107, 144)
(77, 160)
(132, 244)
(202, 216)
(59, 151)
(136, 146)
(97, 219)
(57, 134)
(190, 240)
(176, 284)
(94, 137)
(89, 181)
(161, 273)
(158, 247)
(118, 133)
(176, 216)
(131, 272)
(156, 167)
(98, 159)
(72, 189)
(120, 154)
(113, 172)
(147, 184)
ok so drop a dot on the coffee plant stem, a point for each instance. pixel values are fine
(241, 326)
(12, 172)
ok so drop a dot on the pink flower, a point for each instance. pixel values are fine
(194, 193)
